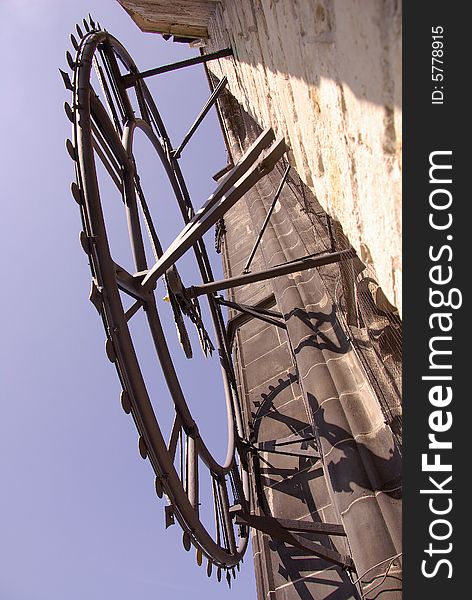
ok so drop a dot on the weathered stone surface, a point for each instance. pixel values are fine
(358, 448)
(327, 75)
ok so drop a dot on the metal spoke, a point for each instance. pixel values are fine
(192, 471)
(227, 525)
(133, 309)
(243, 165)
(216, 511)
(108, 165)
(105, 125)
(100, 140)
(107, 94)
(243, 318)
(142, 102)
(154, 113)
(174, 436)
(113, 71)
(155, 243)
(275, 529)
(134, 226)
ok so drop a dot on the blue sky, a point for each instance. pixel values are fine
(78, 514)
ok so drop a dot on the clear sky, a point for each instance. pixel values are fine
(79, 518)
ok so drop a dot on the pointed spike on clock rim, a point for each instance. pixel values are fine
(70, 60)
(69, 112)
(66, 80)
(74, 42)
(71, 149)
(76, 193)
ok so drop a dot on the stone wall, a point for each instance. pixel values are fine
(284, 486)
(327, 75)
(306, 386)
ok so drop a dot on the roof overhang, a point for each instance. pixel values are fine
(188, 18)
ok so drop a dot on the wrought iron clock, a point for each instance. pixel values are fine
(103, 130)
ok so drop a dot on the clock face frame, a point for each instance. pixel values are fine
(103, 129)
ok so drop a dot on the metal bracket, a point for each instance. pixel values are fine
(169, 515)
(249, 170)
(254, 312)
(282, 529)
(245, 317)
(308, 262)
(271, 447)
(266, 220)
(273, 450)
(129, 80)
(209, 103)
